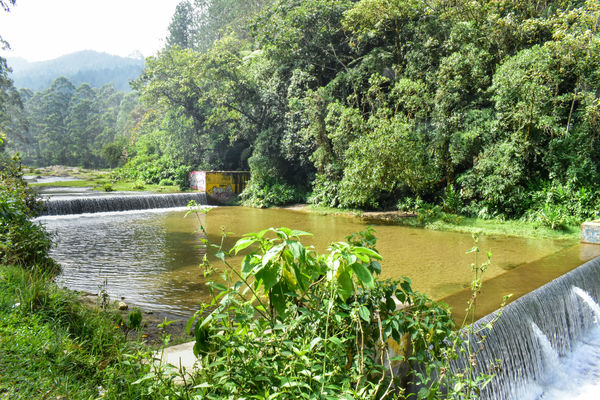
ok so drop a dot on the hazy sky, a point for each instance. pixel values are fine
(45, 29)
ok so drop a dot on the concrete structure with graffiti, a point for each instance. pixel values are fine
(590, 232)
(220, 186)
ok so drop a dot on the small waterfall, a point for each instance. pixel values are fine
(550, 361)
(585, 296)
(111, 203)
(536, 332)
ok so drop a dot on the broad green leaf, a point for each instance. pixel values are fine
(269, 276)
(297, 249)
(300, 233)
(375, 267)
(345, 287)
(364, 313)
(272, 252)
(248, 264)
(363, 274)
(243, 243)
(369, 252)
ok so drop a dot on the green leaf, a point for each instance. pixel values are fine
(190, 323)
(363, 274)
(423, 393)
(297, 249)
(272, 252)
(375, 267)
(248, 264)
(336, 340)
(269, 276)
(345, 287)
(243, 243)
(369, 252)
(314, 342)
(300, 233)
(364, 313)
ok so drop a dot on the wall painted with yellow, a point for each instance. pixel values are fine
(219, 186)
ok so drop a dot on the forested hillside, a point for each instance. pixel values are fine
(91, 67)
(487, 107)
(68, 125)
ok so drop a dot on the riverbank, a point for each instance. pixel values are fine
(59, 344)
(60, 176)
(451, 222)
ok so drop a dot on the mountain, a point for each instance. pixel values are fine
(97, 69)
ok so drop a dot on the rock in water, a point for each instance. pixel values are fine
(123, 306)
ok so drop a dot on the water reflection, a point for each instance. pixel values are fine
(151, 258)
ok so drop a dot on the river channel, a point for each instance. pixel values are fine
(150, 258)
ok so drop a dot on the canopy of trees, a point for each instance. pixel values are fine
(81, 126)
(489, 107)
(367, 102)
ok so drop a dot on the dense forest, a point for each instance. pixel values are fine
(81, 126)
(487, 108)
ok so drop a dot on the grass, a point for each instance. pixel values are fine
(99, 184)
(457, 223)
(323, 210)
(53, 346)
(99, 180)
(495, 227)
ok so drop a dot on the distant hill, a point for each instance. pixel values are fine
(97, 69)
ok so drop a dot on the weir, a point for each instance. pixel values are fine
(535, 336)
(112, 203)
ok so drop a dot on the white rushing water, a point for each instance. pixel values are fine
(548, 341)
(575, 376)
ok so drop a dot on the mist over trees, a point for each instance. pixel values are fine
(68, 125)
(91, 67)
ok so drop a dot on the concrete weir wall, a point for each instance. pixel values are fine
(590, 232)
(220, 186)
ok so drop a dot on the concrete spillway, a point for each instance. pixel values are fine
(112, 203)
(548, 341)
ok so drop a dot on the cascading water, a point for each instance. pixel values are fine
(548, 341)
(111, 203)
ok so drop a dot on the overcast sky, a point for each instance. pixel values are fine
(45, 29)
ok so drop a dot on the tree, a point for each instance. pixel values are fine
(182, 29)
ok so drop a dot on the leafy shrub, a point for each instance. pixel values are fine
(325, 192)
(297, 324)
(497, 181)
(22, 242)
(152, 170)
(263, 193)
(557, 206)
(138, 185)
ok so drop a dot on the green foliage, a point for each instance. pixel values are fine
(366, 103)
(152, 170)
(22, 241)
(134, 318)
(298, 324)
(72, 126)
(270, 192)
